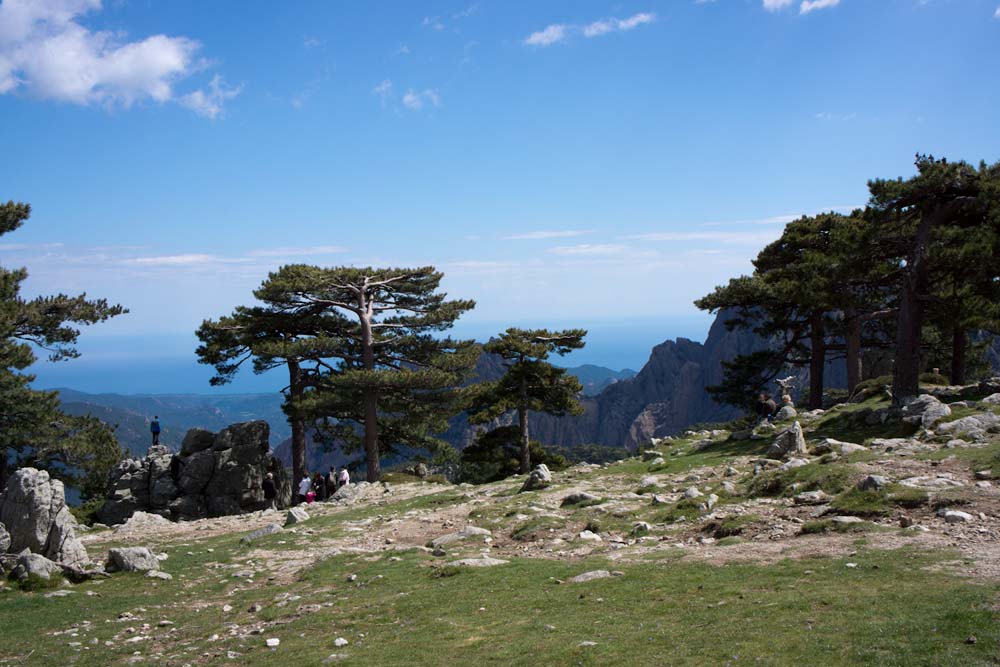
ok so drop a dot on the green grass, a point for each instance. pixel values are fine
(536, 528)
(891, 610)
(731, 526)
(843, 423)
(880, 502)
(978, 458)
(832, 478)
(831, 526)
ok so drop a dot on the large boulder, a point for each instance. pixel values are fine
(214, 475)
(35, 565)
(33, 510)
(789, 442)
(132, 559)
(925, 410)
(4, 539)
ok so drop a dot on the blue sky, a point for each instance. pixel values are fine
(596, 164)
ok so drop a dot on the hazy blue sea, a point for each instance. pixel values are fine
(166, 363)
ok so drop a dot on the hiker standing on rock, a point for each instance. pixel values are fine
(154, 428)
(270, 493)
(344, 478)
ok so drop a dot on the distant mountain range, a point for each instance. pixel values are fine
(130, 414)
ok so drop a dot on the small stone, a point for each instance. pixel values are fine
(905, 521)
(955, 516)
(692, 492)
(971, 639)
(272, 642)
(589, 536)
(339, 642)
(873, 483)
(984, 474)
(227, 608)
(590, 576)
(352, 577)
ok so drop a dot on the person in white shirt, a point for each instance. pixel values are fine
(305, 486)
(344, 478)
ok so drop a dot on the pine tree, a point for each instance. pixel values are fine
(281, 332)
(33, 430)
(918, 218)
(387, 379)
(530, 383)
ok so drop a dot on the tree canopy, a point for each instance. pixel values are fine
(530, 382)
(33, 430)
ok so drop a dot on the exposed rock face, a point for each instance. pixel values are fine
(214, 475)
(539, 478)
(33, 511)
(4, 539)
(925, 410)
(667, 395)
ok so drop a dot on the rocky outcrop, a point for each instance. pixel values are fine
(132, 559)
(213, 475)
(35, 517)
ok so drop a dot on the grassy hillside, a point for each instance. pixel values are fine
(766, 576)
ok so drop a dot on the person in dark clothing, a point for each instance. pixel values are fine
(270, 492)
(154, 428)
(319, 486)
(331, 482)
(766, 407)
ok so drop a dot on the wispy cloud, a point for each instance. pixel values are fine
(209, 102)
(545, 234)
(591, 250)
(46, 52)
(560, 32)
(996, 14)
(432, 22)
(805, 6)
(416, 100)
(812, 5)
(729, 238)
(467, 12)
(383, 91)
(312, 42)
(176, 260)
(298, 252)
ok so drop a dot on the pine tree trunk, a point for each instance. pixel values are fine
(817, 362)
(295, 391)
(522, 419)
(371, 396)
(906, 366)
(852, 342)
(958, 348)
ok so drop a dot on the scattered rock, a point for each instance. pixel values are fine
(980, 474)
(159, 574)
(955, 516)
(843, 520)
(578, 498)
(4, 539)
(269, 529)
(873, 483)
(992, 399)
(828, 445)
(339, 642)
(539, 478)
(464, 533)
(650, 454)
(787, 412)
(483, 561)
(693, 492)
(589, 536)
(132, 559)
(812, 498)
(973, 426)
(931, 482)
(272, 642)
(296, 515)
(788, 442)
(925, 410)
(34, 565)
(590, 576)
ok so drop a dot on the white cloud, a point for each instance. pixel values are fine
(591, 250)
(810, 5)
(297, 252)
(46, 53)
(403, 50)
(730, 238)
(467, 12)
(416, 100)
(383, 90)
(173, 260)
(209, 103)
(996, 14)
(550, 35)
(560, 32)
(531, 236)
(432, 22)
(775, 5)
(312, 42)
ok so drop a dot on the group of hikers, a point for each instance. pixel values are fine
(322, 487)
